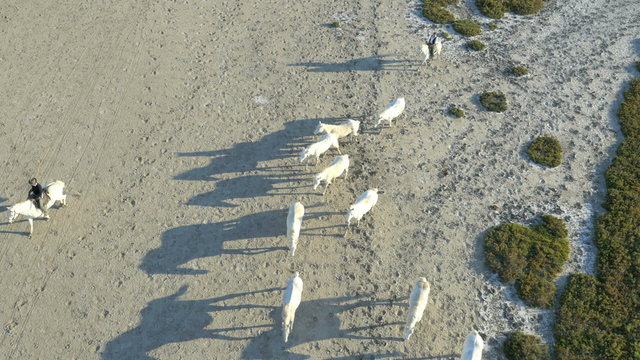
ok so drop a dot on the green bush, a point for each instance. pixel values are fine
(518, 70)
(545, 150)
(456, 111)
(438, 15)
(476, 45)
(599, 318)
(494, 9)
(494, 101)
(492, 26)
(519, 346)
(467, 27)
(446, 35)
(525, 7)
(335, 24)
(638, 65)
(439, 3)
(530, 256)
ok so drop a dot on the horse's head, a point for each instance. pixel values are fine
(12, 214)
(319, 129)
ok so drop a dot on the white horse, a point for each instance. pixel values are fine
(431, 50)
(28, 209)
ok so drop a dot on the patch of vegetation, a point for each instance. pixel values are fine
(599, 317)
(467, 27)
(492, 25)
(335, 24)
(545, 150)
(446, 35)
(496, 8)
(456, 111)
(520, 346)
(438, 15)
(494, 101)
(638, 65)
(476, 45)
(530, 256)
(518, 70)
(525, 7)
(435, 11)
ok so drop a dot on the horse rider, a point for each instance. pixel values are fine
(37, 194)
(432, 39)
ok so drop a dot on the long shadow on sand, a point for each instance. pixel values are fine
(170, 320)
(185, 243)
(316, 320)
(371, 63)
(264, 180)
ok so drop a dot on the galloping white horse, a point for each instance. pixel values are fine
(27, 208)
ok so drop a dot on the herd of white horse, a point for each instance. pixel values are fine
(293, 293)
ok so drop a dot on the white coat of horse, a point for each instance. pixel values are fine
(431, 51)
(27, 208)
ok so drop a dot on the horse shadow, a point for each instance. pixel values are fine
(264, 180)
(185, 243)
(246, 156)
(316, 320)
(171, 320)
(370, 63)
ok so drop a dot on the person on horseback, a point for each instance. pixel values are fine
(37, 195)
(432, 39)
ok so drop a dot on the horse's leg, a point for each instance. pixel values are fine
(63, 201)
(30, 226)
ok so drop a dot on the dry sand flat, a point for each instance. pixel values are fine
(175, 126)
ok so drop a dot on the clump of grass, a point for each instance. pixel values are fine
(525, 7)
(545, 150)
(530, 256)
(456, 111)
(494, 101)
(335, 24)
(467, 27)
(476, 45)
(438, 15)
(446, 35)
(518, 70)
(638, 65)
(492, 25)
(519, 346)
(496, 8)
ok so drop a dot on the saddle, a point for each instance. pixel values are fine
(45, 199)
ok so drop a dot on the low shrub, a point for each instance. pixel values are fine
(545, 150)
(335, 24)
(525, 7)
(492, 26)
(494, 9)
(439, 3)
(494, 101)
(438, 15)
(456, 111)
(638, 65)
(519, 346)
(467, 27)
(446, 35)
(530, 256)
(518, 70)
(476, 45)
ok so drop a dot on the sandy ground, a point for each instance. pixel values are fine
(175, 125)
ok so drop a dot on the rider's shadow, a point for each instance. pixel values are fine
(258, 233)
(172, 320)
(317, 320)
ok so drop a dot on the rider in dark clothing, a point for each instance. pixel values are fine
(37, 193)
